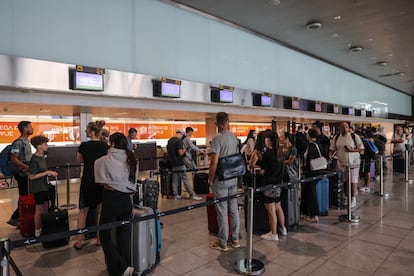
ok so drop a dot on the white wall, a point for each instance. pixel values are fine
(151, 37)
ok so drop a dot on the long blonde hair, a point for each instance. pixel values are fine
(96, 127)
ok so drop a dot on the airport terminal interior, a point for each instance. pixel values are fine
(163, 65)
(382, 243)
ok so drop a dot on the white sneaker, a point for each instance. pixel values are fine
(270, 237)
(177, 197)
(196, 197)
(365, 189)
(284, 231)
(353, 202)
(129, 271)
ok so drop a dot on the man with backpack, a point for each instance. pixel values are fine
(20, 155)
(348, 148)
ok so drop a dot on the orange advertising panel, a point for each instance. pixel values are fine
(243, 129)
(159, 130)
(54, 130)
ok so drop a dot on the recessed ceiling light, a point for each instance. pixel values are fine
(334, 35)
(399, 74)
(382, 63)
(390, 54)
(373, 58)
(355, 49)
(313, 25)
(370, 39)
(338, 17)
(274, 2)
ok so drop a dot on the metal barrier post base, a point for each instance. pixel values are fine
(385, 195)
(351, 219)
(242, 267)
(68, 206)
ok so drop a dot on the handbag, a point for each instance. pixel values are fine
(318, 163)
(231, 166)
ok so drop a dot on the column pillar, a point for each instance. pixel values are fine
(211, 130)
(84, 119)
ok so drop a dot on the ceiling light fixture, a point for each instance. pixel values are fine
(400, 74)
(338, 17)
(314, 25)
(382, 63)
(274, 2)
(355, 49)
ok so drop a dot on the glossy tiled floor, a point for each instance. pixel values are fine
(381, 244)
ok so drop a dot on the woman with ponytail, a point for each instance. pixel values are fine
(90, 194)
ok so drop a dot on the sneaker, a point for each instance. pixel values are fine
(196, 197)
(129, 271)
(284, 231)
(365, 189)
(14, 222)
(270, 237)
(353, 202)
(217, 245)
(177, 197)
(235, 243)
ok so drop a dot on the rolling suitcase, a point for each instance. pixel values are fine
(290, 206)
(145, 239)
(335, 189)
(27, 208)
(200, 182)
(322, 190)
(150, 192)
(260, 217)
(166, 184)
(212, 216)
(54, 222)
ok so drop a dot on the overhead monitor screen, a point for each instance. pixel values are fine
(295, 104)
(318, 107)
(226, 96)
(266, 100)
(87, 81)
(170, 90)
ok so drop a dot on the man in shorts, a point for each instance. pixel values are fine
(348, 147)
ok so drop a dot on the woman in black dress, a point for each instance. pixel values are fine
(90, 194)
(309, 199)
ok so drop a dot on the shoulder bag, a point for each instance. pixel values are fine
(318, 163)
(231, 166)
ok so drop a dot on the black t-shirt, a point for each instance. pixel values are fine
(175, 144)
(273, 167)
(91, 150)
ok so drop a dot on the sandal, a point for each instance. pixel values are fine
(79, 247)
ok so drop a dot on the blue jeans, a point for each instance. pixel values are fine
(225, 209)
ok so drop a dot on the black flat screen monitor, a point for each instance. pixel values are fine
(166, 89)
(221, 95)
(86, 81)
(295, 104)
(262, 100)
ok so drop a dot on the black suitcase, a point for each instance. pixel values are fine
(290, 206)
(336, 189)
(151, 190)
(200, 183)
(55, 221)
(91, 220)
(260, 217)
(166, 184)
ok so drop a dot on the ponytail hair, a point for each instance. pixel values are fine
(96, 127)
(119, 141)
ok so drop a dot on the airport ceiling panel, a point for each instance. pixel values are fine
(373, 38)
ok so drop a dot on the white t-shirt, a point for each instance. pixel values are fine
(347, 158)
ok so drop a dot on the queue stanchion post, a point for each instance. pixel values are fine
(68, 205)
(249, 266)
(407, 168)
(349, 217)
(381, 192)
(4, 262)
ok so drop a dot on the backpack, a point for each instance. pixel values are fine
(6, 166)
(371, 149)
(5, 160)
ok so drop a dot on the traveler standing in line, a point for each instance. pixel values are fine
(38, 173)
(348, 147)
(248, 145)
(188, 147)
(132, 134)
(20, 155)
(309, 199)
(273, 169)
(301, 144)
(289, 153)
(117, 171)
(224, 144)
(176, 153)
(90, 194)
(399, 140)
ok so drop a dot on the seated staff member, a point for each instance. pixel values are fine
(116, 171)
(38, 173)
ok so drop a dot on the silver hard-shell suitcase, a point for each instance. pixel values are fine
(143, 241)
